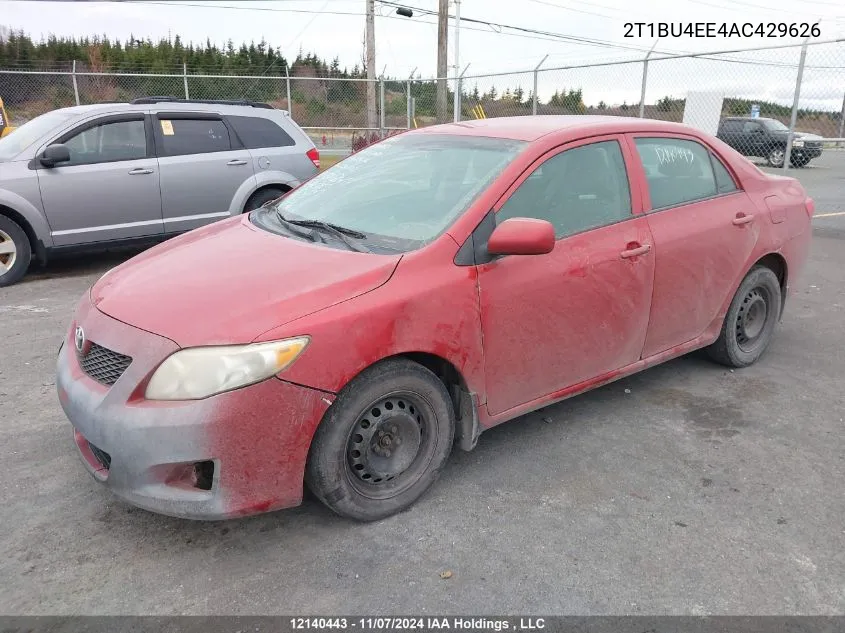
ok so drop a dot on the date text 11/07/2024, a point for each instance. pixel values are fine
(427, 623)
(721, 29)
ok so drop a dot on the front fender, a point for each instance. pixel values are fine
(261, 179)
(32, 214)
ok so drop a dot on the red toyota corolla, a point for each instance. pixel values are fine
(423, 290)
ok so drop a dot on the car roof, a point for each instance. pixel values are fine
(531, 128)
(168, 106)
(747, 118)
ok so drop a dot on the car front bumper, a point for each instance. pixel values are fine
(159, 455)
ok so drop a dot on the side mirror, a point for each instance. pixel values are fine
(522, 236)
(54, 154)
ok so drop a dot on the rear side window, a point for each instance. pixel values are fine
(193, 136)
(724, 182)
(732, 127)
(678, 171)
(256, 132)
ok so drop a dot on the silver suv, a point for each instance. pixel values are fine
(103, 175)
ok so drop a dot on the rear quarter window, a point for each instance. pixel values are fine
(256, 132)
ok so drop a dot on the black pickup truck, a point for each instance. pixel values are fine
(766, 138)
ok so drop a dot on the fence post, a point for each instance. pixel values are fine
(408, 102)
(788, 154)
(458, 87)
(287, 83)
(185, 79)
(76, 88)
(645, 79)
(534, 94)
(381, 106)
(842, 120)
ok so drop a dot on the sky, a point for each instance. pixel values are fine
(404, 45)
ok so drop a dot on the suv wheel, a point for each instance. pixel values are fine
(15, 252)
(775, 157)
(262, 197)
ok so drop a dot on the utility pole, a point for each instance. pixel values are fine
(442, 47)
(370, 55)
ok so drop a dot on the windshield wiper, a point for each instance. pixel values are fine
(340, 232)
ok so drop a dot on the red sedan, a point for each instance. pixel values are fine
(423, 290)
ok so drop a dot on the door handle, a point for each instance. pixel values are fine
(742, 218)
(139, 171)
(236, 161)
(634, 252)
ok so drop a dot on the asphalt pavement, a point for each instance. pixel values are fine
(686, 489)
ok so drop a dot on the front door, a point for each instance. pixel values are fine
(109, 189)
(202, 166)
(705, 229)
(552, 321)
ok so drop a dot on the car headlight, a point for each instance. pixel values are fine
(797, 143)
(199, 372)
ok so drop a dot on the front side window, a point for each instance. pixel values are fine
(678, 171)
(193, 136)
(775, 125)
(402, 192)
(750, 127)
(109, 142)
(576, 190)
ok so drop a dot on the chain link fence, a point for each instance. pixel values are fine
(775, 84)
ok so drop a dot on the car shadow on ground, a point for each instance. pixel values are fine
(80, 265)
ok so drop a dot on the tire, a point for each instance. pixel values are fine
(262, 197)
(776, 156)
(750, 321)
(799, 161)
(355, 466)
(15, 252)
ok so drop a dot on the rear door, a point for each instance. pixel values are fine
(704, 228)
(109, 189)
(202, 165)
(755, 139)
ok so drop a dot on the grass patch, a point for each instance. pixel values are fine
(327, 161)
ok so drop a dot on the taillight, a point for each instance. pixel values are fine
(810, 205)
(314, 155)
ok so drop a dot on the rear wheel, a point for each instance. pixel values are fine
(262, 197)
(776, 156)
(15, 252)
(750, 321)
(383, 441)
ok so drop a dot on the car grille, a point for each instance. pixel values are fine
(104, 365)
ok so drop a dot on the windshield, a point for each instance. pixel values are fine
(24, 136)
(777, 126)
(400, 193)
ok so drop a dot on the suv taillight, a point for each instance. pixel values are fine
(314, 155)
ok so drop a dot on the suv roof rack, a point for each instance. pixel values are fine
(243, 102)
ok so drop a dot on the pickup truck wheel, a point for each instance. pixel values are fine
(383, 441)
(775, 157)
(15, 252)
(799, 161)
(750, 321)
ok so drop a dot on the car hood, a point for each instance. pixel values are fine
(230, 281)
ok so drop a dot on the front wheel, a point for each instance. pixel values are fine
(750, 321)
(383, 441)
(799, 161)
(15, 252)
(776, 156)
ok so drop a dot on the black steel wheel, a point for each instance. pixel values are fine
(383, 441)
(750, 321)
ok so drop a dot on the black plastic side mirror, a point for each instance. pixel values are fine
(54, 154)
